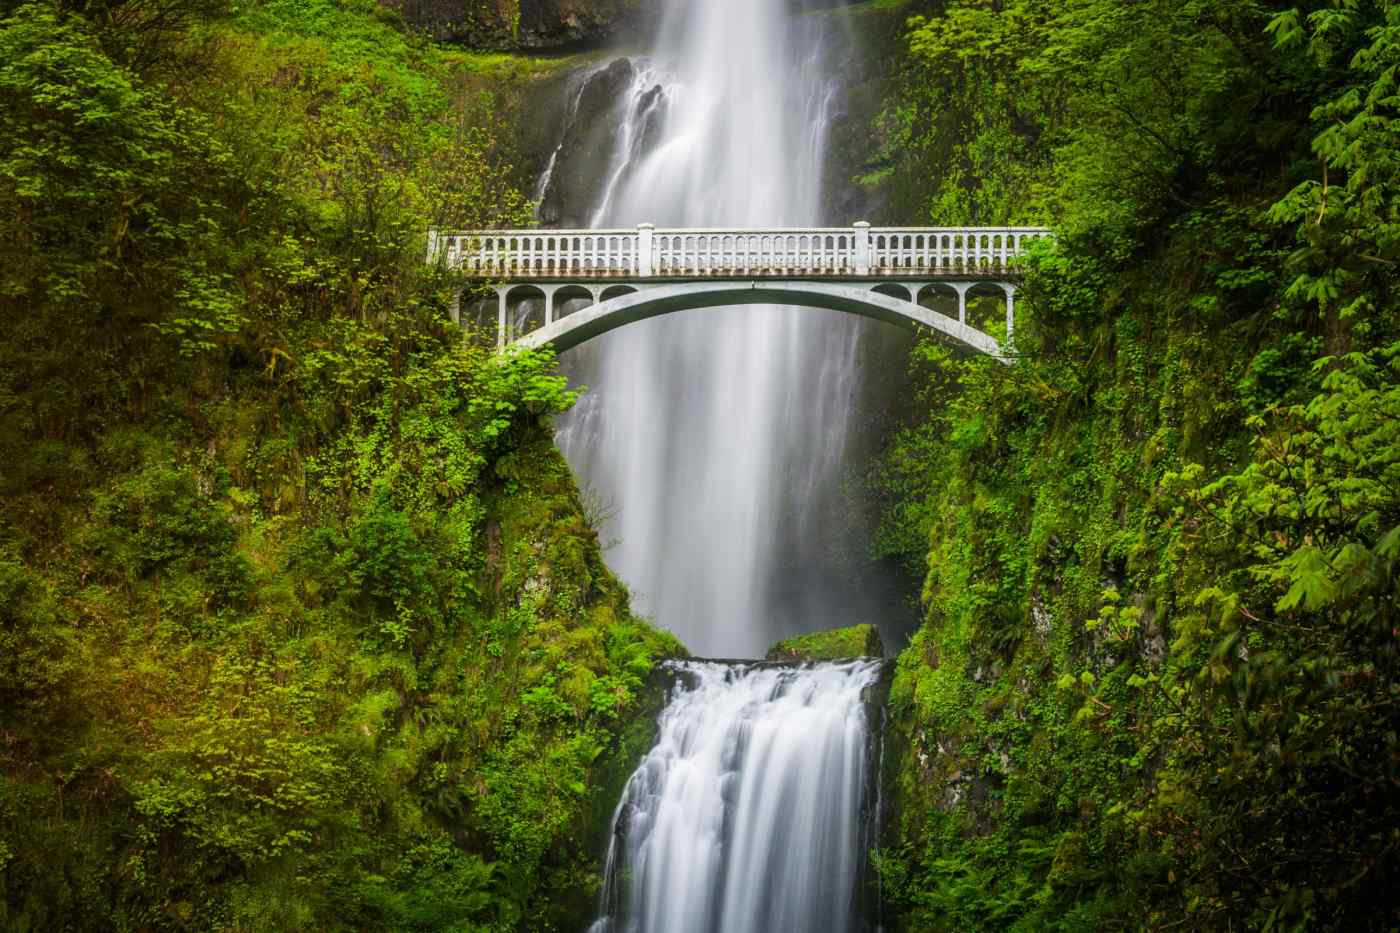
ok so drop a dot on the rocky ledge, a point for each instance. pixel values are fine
(857, 641)
(516, 25)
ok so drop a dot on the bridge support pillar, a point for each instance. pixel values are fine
(454, 307)
(862, 248)
(961, 288)
(549, 291)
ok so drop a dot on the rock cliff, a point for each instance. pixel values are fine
(523, 24)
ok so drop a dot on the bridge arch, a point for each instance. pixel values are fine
(646, 301)
(908, 276)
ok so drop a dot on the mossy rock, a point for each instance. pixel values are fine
(856, 641)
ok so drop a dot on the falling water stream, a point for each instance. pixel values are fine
(717, 440)
(750, 813)
(717, 437)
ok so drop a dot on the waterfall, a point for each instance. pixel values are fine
(717, 439)
(750, 814)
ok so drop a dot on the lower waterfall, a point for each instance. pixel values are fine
(753, 812)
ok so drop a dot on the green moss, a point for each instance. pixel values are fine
(856, 641)
(512, 67)
(872, 6)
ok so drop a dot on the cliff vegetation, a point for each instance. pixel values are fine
(1156, 683)
(302, 625)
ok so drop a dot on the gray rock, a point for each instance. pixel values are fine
(585, 150)
(517, 25)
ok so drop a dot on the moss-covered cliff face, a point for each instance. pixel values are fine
(302, 622)
(869, 54)
(1156, 682)
(525, 24)
(394, 717)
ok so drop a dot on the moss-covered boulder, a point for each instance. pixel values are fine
(856, 641)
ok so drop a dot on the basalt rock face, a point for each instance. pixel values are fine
(599, 99)
(524, 24)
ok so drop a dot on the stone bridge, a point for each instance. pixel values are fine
(591, 281)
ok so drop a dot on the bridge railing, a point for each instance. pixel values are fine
(648, 252)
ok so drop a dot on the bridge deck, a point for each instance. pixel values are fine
(648, 253)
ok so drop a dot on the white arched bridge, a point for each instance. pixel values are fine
(587, 282)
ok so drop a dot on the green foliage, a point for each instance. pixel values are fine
(35, 647)
(1156, 681)
(302, 623)
(1298, 647)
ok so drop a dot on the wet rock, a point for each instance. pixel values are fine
(516, 25)
(586, 148)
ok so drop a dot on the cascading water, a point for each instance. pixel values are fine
(751, 813)
(717, 438)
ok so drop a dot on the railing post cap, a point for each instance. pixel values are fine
(646, 226)
(862, 223)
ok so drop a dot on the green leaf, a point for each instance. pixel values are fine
(1312, 586)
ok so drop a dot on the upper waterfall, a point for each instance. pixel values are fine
(718, 446)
